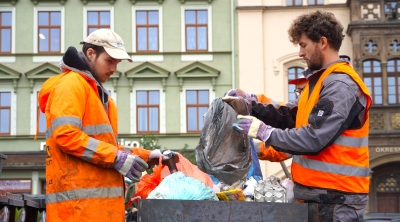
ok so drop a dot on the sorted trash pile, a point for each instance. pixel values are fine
(227, 168)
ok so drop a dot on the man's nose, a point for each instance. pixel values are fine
(301, 53)
(113, 68)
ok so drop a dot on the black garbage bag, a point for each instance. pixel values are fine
(222, 152)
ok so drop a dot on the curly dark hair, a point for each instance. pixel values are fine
(97, 49)
(315, 25)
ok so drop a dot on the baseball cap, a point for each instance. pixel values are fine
(296, 81)
(111, 42)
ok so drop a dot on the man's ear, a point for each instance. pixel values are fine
(91, 54)
(324, 42)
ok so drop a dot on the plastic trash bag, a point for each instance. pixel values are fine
(149, 182)
(288, 184)
(221, 151)
(179, 186)
(185, 166)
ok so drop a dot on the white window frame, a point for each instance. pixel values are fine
(13, 26)
(209, 24)
(133, 112)
(160, 25)
(13, 114)
(96, 8)
(185, 88)
(109, 86)
(34, 104)
(35, 30)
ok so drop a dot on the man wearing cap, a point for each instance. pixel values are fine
(85, 166)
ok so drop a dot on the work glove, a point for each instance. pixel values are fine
(129, 165)
(155, 155)
(252, 127)
(241, 93)
(239, 104)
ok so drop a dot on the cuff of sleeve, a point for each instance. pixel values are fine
(142, 153)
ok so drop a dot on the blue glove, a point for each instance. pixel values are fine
(129, 165)
(252, 127)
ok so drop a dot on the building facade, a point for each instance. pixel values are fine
(267, 60)
(182, 54)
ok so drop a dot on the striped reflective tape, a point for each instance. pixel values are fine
(84, 193)
(331, 167)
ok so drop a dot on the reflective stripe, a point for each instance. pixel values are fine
(97, 129)
(352, 141)
(127, 165)
(331, 167)
(103, 192)
(90, 149)
(62, 121)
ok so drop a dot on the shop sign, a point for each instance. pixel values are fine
(120, 142)
(388, 149)
(15, 184)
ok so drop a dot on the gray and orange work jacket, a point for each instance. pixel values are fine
(81, 145)
(326, 131)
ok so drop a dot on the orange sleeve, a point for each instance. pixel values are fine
(270, 154)
(143, 153)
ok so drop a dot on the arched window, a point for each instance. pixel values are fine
(373, 79)
(393, 71)
(293, 73)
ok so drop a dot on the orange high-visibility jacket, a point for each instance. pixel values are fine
(81, 145)
(344, 165)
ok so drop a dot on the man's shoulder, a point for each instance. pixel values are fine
(340, 78)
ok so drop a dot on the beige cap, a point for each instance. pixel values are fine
(111, 42)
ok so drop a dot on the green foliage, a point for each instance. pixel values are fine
(149, 142)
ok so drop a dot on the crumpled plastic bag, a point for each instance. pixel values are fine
(221, 151)
(179, 186)
(149, 182)
(288, 184)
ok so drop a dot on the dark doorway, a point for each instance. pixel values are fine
(387, 183)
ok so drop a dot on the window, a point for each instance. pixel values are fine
(393, 70)
(294, 2)
(373, 79)
(196, 29)
(197, 103)
(315, 2)
(98, 20)
(147, 31)
(41, 119)
(148, 111)
(392, 9)
(5, 32)
(293, 73)
(49, 31)
(5, 113)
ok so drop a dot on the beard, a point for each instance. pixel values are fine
(315, 61)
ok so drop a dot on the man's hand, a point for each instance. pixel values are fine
(241, 93)
(129, 165)
(239, 104)
(252, 127)
(155, 155)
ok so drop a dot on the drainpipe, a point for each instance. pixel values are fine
(233, 44)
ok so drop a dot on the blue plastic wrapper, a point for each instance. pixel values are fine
(255, 169)
(179, 186)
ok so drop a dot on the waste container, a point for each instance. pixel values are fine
(2, 157)
(203, 210)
